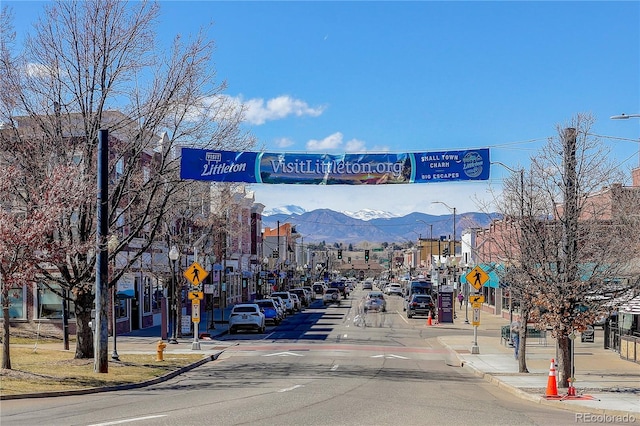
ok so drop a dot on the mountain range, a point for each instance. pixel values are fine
(372, 226)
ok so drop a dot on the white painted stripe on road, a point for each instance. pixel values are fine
(290, 389)
(335, 367)
(135, 419)
(283, 354)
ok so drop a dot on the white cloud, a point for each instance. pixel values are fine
(331, 142)
(355, 145)
(259, 112)
(335, 142)
(283, 142)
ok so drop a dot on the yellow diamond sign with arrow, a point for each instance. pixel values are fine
(477, 277)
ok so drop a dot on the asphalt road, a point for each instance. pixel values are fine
(316, 368)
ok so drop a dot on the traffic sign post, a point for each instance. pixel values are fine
(195, 273)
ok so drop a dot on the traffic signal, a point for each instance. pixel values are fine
(339, 254)
(366, 255)
(349, 259)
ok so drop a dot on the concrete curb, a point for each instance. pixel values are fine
(163, 378)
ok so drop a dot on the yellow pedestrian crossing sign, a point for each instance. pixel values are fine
(477, 277)
(195, 273)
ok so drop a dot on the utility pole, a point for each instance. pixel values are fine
(100, 330)
(570, 241)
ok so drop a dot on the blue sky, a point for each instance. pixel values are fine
(417, 76)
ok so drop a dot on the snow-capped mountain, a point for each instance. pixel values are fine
(364, 214)
(368, 214)
(286, 210)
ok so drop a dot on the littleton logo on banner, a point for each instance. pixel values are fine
(334, 169)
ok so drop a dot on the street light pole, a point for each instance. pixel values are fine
(173, 257)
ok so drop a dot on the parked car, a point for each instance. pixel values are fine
(420, 304)
(286, 298)
(375, 301)
(302, 295)
(367, 285)
(280, 305)
(309, 291)
(270, 310)
(332, 295)
(246, 316)
(297, 303)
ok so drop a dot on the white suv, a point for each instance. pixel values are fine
(332, 295)
(246, 316)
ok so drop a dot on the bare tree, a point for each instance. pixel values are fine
(563, 242)
(85, 60)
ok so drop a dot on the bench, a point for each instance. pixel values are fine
(532, 333)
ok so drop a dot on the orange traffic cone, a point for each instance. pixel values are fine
(429, 320)
(552, 386)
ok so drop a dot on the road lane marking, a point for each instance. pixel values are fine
(334, 367)
(135, 419)
(284, 354)
(290, 389)
(390, 356)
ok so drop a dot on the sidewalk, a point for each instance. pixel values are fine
(605, 383)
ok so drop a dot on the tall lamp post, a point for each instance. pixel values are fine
(521, 171)
(173, 257)
(112, 245)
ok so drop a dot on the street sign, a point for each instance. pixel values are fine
(195, 311)
(476, 317)
(195, 273)
(477, 277)
(476, 298)
(476, 305)
(196, 295)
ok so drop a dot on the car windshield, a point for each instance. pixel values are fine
(422, 299)
(266, 304)
(282, 295)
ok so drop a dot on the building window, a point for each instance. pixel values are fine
(121, 308)
(50, 303)
(16, 303)
(146, 291)
(158, 295)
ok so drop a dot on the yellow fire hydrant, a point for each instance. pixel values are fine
(160, 350)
